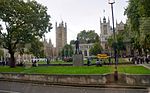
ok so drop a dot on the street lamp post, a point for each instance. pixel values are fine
(111, 2)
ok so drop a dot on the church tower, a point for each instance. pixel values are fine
(106, 31)
(61, 36)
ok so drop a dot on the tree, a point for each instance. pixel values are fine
(144, 8)
(145, 35)
(120, 44)
(72, 42)
(37, 48)
(96, 49)
(86, 37)
(137, 11)
(24, 21)
(122, 38)
(67, 51)
(133, 15)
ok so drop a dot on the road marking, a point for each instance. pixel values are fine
(4, 91)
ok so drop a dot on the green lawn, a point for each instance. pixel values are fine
(8, 69)
(77, 70)
(60, 70)
(133, 69)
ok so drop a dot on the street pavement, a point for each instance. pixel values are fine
(16, 87)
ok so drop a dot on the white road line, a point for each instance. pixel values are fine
(8, 91)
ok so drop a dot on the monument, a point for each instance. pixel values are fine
(77, 57)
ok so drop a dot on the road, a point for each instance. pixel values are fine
(16, 87)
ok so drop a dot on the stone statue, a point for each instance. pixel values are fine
(77, 46)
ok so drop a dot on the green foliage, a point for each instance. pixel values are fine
(120, 42)
(138, 13)
(72, 42)
(144, 8)
(67, 51)
(96, 49)
(145, 34)
(37, 48)
(24, 21)
(86, 37)
(133, 15)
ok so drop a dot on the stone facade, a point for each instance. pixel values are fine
(106, 31)
(49, 49)
(61, 36)
(120, 27)
(85, 48)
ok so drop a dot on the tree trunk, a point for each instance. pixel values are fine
(12, 60)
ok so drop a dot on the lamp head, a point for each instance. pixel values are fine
(111, 1)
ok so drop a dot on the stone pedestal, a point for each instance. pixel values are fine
(28, 65)
(78, 60)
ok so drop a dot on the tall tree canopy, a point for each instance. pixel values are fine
(120, 42)
(138, 13)
(24, 21)
(86, 37)
(97, 48)
(37, 48)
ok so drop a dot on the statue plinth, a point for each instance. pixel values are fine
(78, 60)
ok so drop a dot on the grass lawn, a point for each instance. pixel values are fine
(70, 70)
(77, 70)
(60, 70)
(133, 69)
(8, 69)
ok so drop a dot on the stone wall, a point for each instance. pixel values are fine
(135, 80)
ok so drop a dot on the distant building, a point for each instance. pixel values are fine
(49, 49)
(61, 37)
(119, 27)
(106, 32)
(84, 48)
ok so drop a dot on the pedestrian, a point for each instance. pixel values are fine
(129, 59)
(98, 63)
(146, 60)
(3, 62)
(88, 62)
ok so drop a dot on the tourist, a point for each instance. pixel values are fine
(88, 62)
(98, 63)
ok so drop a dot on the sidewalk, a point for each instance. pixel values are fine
(146, 66)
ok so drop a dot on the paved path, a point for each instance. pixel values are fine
(16, 87)
(146, 65)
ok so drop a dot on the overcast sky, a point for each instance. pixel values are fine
(81, 15)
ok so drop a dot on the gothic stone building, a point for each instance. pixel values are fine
(49, 49)
(106, 32)
(61, 37)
